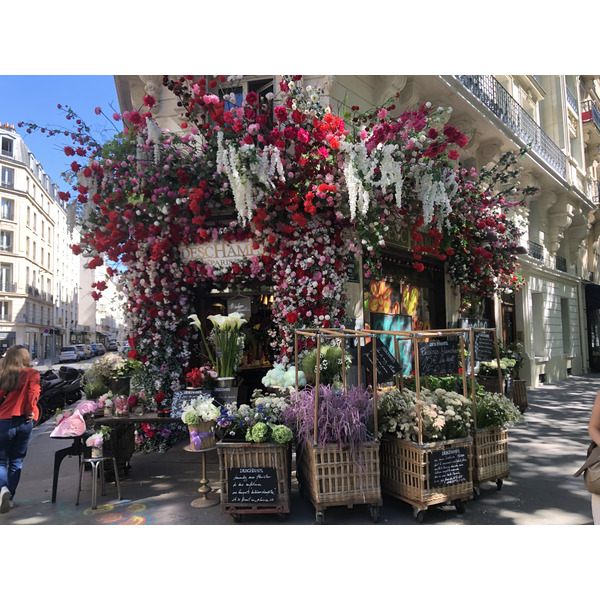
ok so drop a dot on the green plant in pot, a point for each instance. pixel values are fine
(330, 365)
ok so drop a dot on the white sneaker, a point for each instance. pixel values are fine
(4, 500)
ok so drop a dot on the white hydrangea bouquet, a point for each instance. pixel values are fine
(445, 415)
(200, 409)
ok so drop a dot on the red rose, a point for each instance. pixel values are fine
(292, 317)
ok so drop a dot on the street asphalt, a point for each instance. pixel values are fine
(544, 452)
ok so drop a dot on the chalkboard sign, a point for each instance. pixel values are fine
(448, 467)
(387, 365)
(184, 397)
(222, 396)
(438, 357)
(255, 484)
(483, 343)
(240, 304)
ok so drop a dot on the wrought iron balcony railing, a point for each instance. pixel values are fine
(596, 191)
(489, 91)
(8, 286)
(572, 100)
(590, 112)
(536, 250)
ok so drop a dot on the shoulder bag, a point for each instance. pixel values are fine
(591, 469)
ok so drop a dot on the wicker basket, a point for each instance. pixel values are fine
(405, 472)
(490, 454)
(242, 455)
(330, 476)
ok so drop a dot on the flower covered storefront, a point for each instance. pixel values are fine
(283, 196)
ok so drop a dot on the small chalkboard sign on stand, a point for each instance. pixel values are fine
(438, 357)
(387, 366)
(483, 342)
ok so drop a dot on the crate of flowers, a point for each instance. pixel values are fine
(494, 413)
(255, 456)
(437, 470)
(339, 464)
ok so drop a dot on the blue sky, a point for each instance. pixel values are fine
(35, 98)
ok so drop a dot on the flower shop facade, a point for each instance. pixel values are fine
(415, 285)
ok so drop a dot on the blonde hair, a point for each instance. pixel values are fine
(15, 360)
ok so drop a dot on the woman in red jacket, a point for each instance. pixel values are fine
(19, 394)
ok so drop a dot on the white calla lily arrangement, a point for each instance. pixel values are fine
(228, 341)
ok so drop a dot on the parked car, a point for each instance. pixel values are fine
(101, 348)
(89, 351)
(98, 349)
(69, 354)
(81, 350)
(125, 348)
(113, 345)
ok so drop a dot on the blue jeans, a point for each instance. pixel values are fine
(14, 439)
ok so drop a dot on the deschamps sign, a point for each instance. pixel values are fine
(219, 253)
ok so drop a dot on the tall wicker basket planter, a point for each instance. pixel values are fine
(270, 460)
(490, 450)
(407, 473)
(330, 476)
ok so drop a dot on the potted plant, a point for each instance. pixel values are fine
(203, 378)
(494, 413)
(200, 415)
(228, 343)
(329, 363)
(416, 430)
(338, 455)
(97, 439)
(255, 456)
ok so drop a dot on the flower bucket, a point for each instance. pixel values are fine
(202, 435)
(121, 407)
(121, 386)
(97, 452)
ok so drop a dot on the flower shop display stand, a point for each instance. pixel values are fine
(255, 478)
(490, 447)
(427, 474)
(331, 475)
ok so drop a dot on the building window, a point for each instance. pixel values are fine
(7, 147)
(5, 311)
(8, 177)
(539, 329)
(6, 209)
(566, 326)
(6, 241)
(6, 284)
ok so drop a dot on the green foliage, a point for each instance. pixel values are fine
(330, 367)
(496, 410)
